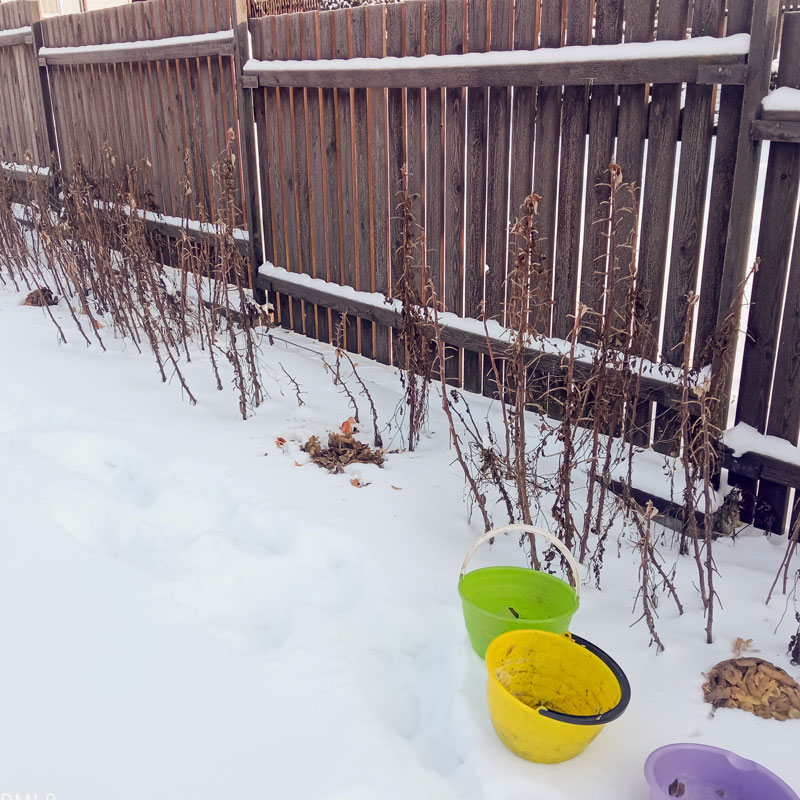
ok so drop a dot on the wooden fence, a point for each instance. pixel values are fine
(24, 119)
(477, 139)
(769, 392)
(325, 141)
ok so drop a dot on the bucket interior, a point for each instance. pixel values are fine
(698, 772)
(518, 593)
(554, 672)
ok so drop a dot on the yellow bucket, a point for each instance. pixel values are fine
(550, 694)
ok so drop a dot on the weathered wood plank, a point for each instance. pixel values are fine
(630, 69)
(396, 147)
(523, 115)
(333, 207)
(499, 137)
(316, 173)
(690, 206)
(652, 387)
(571, 179)
(11, 38)
(247, 156)
(691, 192)
(272, 134)
(775, 130)
(602, 134)
(379, 187)
(285, 135)
(299, 147)
(455, 104)
(719, 204)
(774, 247)
(349, 267)
(545, 172)
(363, 178)
(762, 40)
(784, 415)
(631, 138)
(413, 45)
(137, 51)
(266, 195)
(474, 251)
(434, 154)
(659, 180)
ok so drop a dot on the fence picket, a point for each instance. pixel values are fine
(602, 131)
(379, 186)
(455, 31)
(475, 248)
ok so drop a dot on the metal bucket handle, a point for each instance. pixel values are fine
(519, 527)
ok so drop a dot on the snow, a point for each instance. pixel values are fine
(743, 438)
(783, 99)
(14, 33)
(24, 169)
(372, 299)
(549, 345)
(705, 46)
(179, 222)
(220, 37)
(186, 613)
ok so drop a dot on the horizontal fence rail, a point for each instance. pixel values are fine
(199, 46)
(705, 60)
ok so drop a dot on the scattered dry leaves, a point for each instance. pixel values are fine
(280, 441)
(742, 646)
(754, 685)
(348, 426)
(358, 483)
(396, 488)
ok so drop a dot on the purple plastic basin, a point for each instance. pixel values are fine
(702, 772)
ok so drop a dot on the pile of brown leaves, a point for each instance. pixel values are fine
(753, 685)
(342, 450)
(41, 297)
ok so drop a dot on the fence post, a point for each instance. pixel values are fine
(44, 82)
(249, 164)
(759, 394)
(763, 29)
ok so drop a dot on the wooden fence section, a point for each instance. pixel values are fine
(23, 121)
(485, 133)
(167, 107)
(770, 384)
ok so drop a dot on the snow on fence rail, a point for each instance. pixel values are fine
(23, 35)
(656, 382)
(700, 60)
(220, 43)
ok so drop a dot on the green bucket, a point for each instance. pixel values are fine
(492, 597)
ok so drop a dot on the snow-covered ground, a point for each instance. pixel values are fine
(187, 613)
